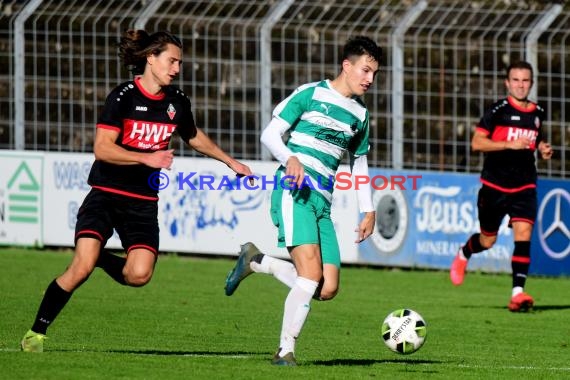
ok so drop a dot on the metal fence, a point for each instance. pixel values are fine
(444, 63)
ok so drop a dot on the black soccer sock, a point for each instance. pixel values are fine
(520, 262)
(112, 265)
(472, 246)
(55, 298)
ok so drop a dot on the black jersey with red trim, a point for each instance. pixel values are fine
(145, 123)
(511, 170)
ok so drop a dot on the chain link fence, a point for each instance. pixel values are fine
(443, 64)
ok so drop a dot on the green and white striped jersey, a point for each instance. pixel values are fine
(324, 124)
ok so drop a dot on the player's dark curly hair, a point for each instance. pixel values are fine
(136, 45)
(360, 45)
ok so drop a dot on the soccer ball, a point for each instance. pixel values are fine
(404, 331)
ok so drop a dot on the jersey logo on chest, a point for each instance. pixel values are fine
(171, 111)
(147, 135)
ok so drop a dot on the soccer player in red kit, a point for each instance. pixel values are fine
(131, 147)
(509, 133)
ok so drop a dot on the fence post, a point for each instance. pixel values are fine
(19, 74)
(148, 12)
(265, 66)
(531, 48)
(398, 82)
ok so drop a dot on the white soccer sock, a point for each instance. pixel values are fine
(516, 290)
(282, 270)
(297, 306)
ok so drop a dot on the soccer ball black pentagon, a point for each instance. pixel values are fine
(404, 331)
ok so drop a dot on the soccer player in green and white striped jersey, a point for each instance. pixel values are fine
(324, 119)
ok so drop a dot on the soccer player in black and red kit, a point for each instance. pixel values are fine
(131, 145)
(509, 133)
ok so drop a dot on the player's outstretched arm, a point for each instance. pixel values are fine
(203, 144)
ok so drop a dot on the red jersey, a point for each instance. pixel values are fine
(511, 170)
(145, 123)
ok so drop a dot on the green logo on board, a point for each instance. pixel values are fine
(23, 196)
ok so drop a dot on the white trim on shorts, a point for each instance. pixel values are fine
(287, 215)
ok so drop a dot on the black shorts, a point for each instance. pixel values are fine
(135, 220)
(493, 205)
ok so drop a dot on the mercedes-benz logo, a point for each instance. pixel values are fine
(547, 228)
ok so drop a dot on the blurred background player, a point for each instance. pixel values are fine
(131, 147)
(509, 133)
(325, 119)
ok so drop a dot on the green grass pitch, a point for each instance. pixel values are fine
(182, 326)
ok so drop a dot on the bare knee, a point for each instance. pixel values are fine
(139, 267)
(138, 278)
(329, 282)
(328, 292)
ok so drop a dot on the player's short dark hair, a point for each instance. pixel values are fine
(360, 45)
(519, 65)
